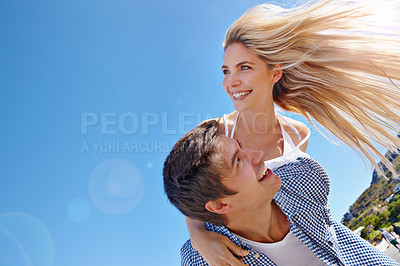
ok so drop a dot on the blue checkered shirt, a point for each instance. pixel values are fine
(303, 197)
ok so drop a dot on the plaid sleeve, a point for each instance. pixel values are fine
(190, 256)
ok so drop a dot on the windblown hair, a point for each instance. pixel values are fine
(192, 173)
(340, 68)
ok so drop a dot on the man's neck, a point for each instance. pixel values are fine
(267, 226)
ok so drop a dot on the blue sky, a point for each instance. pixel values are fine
(93, 96)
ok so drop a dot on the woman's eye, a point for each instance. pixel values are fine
(244, 67)
(225, 71)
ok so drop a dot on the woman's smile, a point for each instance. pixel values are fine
(240, 95)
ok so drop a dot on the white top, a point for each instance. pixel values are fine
(290, 251)
(290, 151)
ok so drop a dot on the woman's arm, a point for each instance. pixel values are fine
(213, 247)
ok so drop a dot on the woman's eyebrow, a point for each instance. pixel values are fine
(239, 64)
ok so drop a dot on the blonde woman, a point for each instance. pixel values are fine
(325, 60)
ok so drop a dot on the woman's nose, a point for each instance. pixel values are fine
(233, 80)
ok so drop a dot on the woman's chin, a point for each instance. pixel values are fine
(240, 107)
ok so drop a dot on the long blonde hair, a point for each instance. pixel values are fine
(339, 68)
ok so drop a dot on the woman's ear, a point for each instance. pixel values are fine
(217, 206)
(277, 73)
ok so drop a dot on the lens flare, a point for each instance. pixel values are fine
(79, 210)
(24, 240)
(116, 186)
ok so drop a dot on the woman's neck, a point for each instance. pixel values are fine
(257, 122)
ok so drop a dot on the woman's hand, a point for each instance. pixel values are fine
(213, 247)
(216, 249)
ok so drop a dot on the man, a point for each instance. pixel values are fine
(396, 229)
(280, 220)
(390, 238)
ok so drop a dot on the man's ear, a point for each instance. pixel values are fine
(277, 73)
(217, 206)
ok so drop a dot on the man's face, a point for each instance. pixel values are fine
(255, 185)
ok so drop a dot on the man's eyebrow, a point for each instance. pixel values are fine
(235, 154)
(239, 64)
(240, 144)
(233, 158)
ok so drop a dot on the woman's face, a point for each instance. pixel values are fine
(247, 78)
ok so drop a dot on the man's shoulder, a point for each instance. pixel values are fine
(190, 256)
(187, 252)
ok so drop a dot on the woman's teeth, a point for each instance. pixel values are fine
(240, 94)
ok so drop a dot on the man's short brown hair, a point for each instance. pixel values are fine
(192, 172)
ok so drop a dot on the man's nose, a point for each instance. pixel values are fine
(256, 156)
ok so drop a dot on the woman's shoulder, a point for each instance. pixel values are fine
(300, 127)
(295, 128)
